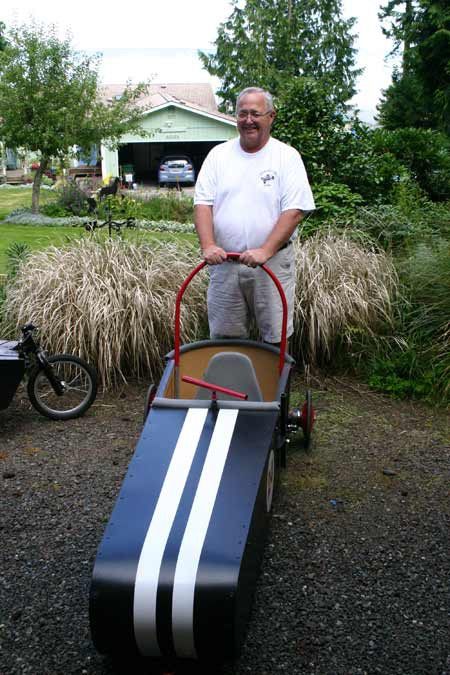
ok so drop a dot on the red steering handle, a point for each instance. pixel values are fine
(187, 281)
(214, 387)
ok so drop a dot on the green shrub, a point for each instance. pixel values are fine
(424, 153)
(415, 361)
(54, 210)
(173, 206)
(408, 197)
(401, 225)
(71, 197)
(336, 200)
(119, 207)
(27, 217)
(390, 227)
(408, 372)
(334, 147)
(16, 253)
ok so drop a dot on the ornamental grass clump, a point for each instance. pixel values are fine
(426, 276)
(111, 302)
(343, 288)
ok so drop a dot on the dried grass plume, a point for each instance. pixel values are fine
(111, 302)
(342, 287)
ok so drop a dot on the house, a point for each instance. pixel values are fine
(182, 118)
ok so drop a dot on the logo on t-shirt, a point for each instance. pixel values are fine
(268, 177)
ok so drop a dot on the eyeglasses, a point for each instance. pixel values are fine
(254, 114)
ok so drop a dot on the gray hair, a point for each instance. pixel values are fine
(256, 90)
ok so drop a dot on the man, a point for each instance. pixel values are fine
(250, 195)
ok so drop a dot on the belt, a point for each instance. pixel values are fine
(285, 245)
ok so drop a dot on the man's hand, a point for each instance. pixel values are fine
(254, 257)
(214, 255)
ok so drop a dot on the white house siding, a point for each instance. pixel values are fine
(110, 162)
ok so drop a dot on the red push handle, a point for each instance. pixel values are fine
(187, 281)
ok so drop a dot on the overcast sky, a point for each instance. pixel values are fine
(159, 39)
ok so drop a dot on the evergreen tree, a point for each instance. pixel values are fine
(401, 17)
(420, 91)
(266, 42)
(3, 42)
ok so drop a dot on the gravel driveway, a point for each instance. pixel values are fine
(356, 575)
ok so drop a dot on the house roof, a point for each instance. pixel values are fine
(197, 96)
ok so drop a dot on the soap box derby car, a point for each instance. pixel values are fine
(178, 563)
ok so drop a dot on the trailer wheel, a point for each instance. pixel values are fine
(283, 425)
(270, 480)
(79, 388)
(307, 420)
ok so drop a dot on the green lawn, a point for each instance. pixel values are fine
(39, 237)
(35, 237)
(15, 198)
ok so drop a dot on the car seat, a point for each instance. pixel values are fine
(233, 370)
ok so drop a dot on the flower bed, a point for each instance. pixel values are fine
(26, 217)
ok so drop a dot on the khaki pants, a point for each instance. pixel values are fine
(237, 293)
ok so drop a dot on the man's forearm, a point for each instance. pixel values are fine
(203, 216)
(282, 230)
(203, 219)
(280, 234)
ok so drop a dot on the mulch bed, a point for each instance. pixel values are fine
(356, 575)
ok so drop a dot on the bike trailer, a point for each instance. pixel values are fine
(12, 368)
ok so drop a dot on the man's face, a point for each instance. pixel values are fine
(254, 131)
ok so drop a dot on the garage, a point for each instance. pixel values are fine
(145, 158)
(171, 125)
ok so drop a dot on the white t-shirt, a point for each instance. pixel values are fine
(249, 190)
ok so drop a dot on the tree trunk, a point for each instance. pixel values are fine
(37, 184)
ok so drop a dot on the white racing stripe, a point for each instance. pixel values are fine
(146, 584)
(195, 533)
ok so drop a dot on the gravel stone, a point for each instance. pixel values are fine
(356, 573)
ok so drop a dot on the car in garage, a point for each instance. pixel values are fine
(175, 170)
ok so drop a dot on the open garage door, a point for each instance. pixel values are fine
(145, 158)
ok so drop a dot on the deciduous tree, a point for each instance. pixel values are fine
(50, 99)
